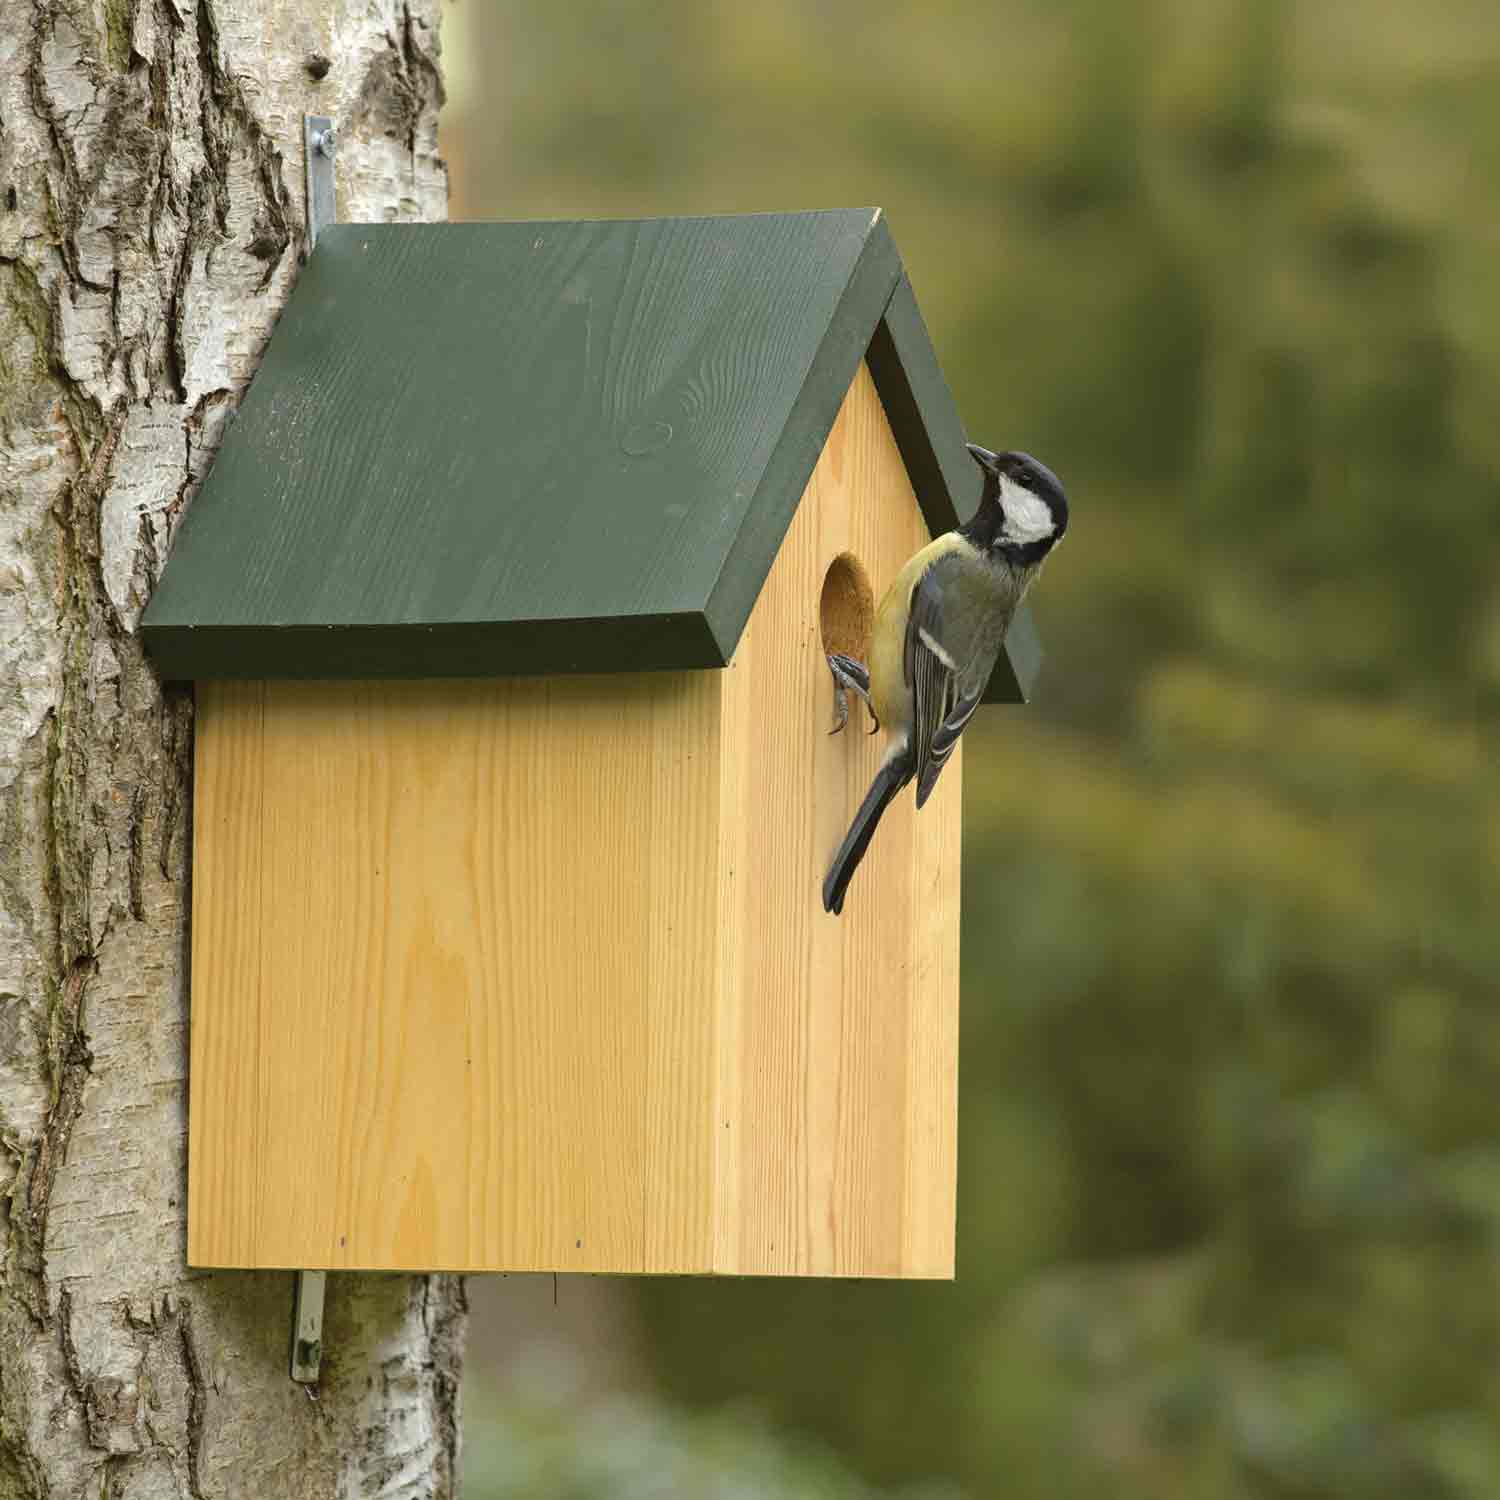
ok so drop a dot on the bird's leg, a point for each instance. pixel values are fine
(849, 674)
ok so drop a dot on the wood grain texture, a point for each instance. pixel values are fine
(450, 1040)
(225, 1079)
(534, 974)
(838, 1073)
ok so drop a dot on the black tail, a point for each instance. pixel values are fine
(889, 780)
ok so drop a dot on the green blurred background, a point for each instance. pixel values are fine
(1229, 1217)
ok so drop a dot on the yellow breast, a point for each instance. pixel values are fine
(888, 689)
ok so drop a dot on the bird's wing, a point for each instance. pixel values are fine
(944, 738)
(960, 608)
(930, 669)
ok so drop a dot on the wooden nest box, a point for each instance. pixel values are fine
(507, 602)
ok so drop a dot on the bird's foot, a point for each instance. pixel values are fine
(849, 676)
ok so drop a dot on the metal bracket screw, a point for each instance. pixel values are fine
(318, 144)
(307, 1327)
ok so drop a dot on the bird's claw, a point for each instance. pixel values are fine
(840, 706)
(849, 675)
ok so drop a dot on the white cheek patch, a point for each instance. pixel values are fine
(1027, 518)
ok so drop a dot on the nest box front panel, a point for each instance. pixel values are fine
(449, 949)
(533, 974)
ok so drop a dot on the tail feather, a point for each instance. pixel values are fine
(889, 780)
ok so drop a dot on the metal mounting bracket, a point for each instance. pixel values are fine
(307, 1327)
(318, 144)
(317, 150)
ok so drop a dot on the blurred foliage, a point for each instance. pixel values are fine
(547, 1438)
(1230, 1172)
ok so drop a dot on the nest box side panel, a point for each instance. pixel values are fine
(837, 1089)
(452, 974)
(223, 1079)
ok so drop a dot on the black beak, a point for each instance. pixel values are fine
(981, 456)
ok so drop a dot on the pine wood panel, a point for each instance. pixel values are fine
(442, 1051)
(533, 974)
(682, 1017)
(838, 1082)
(225, 1078)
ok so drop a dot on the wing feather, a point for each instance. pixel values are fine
(930, 666)
(944, 738)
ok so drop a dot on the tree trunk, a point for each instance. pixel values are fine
(151, 225)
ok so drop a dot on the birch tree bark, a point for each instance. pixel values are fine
(151, 225)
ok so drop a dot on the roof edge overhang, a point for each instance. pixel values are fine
(678, 641)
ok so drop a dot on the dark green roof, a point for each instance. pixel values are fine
(494, 449)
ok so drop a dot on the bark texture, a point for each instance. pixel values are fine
(151, 225)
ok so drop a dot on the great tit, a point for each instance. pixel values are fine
(938, 634)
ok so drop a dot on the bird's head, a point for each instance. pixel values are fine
(1033, 508)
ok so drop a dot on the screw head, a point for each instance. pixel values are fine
(324, 142)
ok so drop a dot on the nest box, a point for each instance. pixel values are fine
(507, 602)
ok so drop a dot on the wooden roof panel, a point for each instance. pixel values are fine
(496, 448)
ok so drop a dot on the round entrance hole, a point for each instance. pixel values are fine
(847, 608)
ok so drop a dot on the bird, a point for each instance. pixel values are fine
(938, 634)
